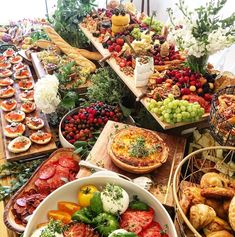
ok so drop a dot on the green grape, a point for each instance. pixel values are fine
(166, 115)
(161, 118)
(178, 110)
(183, 108)
(193, 114)
(171, 97)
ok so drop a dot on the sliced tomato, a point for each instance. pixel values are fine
(76, 230)
(68, 162)
(59, 215)
(154, 230)
(47, 172)
(136, 221)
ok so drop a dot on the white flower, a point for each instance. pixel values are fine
(46, 94)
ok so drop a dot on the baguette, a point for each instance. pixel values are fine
(69, 50)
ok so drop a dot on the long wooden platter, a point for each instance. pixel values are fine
(162, 177)
(35, 149)
(129, 81)
(40, 71)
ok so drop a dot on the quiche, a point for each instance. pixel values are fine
(137, 150)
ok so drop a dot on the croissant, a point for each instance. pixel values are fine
(216, 225)
(213, 179)
(218, 207)
(201, 215)
(231, 213)
(221, 233)
(217, 192)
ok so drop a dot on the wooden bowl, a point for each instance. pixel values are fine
(8, 216)
(137, 169)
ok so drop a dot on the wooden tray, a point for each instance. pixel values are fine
(162, 176)
(40, 71)
(35, 149)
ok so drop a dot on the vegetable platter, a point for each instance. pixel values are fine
(19, 115)
(162, 176)
(60, 168)
(93, 205)
(143, 94)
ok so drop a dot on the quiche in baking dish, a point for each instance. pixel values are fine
(137, 150)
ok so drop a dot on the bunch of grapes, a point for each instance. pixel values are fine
(174, 111)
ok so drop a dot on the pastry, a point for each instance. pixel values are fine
(22, 74)
(40, 137)
(221, 233)
(7, 92)
(5, 72)
(8, 105)
(231, 213)
(19, 66)
(213, 179)
(6, 82)
(216, 225)
(19, 144)
(15, 116)
(34, 123)
(201, 215)
(27, 95)
(14, 130)
(25, 84)
(9, 52)
(226, 204)
(28, 107)
(5, 65)
(137, 150)
(217, 192)
(2, 58)
(16, 59)
(217, 205)
(191, 196)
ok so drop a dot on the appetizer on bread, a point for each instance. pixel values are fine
(14, 130)
(40, 137)
(8, 105)
(19, 144)
(34, 123)
(15, 116)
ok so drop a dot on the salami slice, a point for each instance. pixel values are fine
(42, 186)
(47, 172)
(68, 162)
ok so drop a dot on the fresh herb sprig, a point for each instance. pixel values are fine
(20, 172)
(52, 228)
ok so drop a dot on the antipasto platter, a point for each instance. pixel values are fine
(163, 171)
(25, 129)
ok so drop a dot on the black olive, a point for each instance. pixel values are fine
(123, 13)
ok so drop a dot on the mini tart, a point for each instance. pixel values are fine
(22, 74)
(9, 52)
(16, 59)
(15, 116)
(137, 150)
(27, 95)
(6, 81)
(5, 65)
(25, 84)
(7, 92)
(40, 137)
(5, 73)
(28, 107)
(2, 58)
(19, 66)
(8, 105)
(14, 130)
(19, 144)
(34, 123)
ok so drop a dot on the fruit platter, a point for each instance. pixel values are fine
(20, 119)
(105, 209)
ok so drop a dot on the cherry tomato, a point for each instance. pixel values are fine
(59, 215)
(120, 41)
(69, 207)
(85, 194)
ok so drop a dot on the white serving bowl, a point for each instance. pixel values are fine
(63, 141)
(69, 191)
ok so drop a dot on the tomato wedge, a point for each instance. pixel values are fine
(154, 230)
(59, 215)
(47, 172)
(69, 207)
(80, 230)
(136, 221)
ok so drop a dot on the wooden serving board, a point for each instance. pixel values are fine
(35, 149)
(129, 81)
(41, 72)
(162, 176)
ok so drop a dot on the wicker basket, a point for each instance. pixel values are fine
(222, 131)
(190, 171)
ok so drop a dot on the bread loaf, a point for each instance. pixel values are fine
(69, 50)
